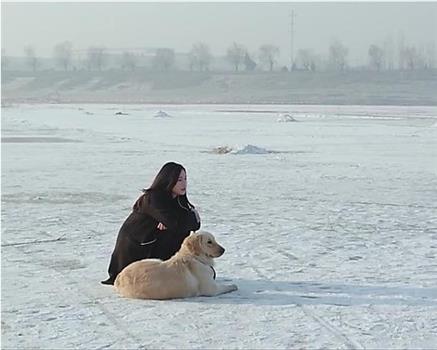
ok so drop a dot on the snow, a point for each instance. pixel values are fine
(246, 149)
(162, 114)
(285, 118)
(332, 242)
(251, 149)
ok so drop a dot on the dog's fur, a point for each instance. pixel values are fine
(188, 273)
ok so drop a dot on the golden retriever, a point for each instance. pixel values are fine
(188, 273)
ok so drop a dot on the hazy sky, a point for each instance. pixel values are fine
(179, 25)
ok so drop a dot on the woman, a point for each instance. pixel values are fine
(160, 220)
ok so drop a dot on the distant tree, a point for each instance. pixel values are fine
(63, 54)
(249, 63)
(268, 55)
(389, 51)
(430, 53)
(376, 57)
(31, 58)
(5, 60)
(338, 55)
(307, 58)
(411, 57)
(401, 51)
(200, 57)
(164, 59)
(128, 61)
(421, 61)
(236, 54)
(96, 57)
(414, 58)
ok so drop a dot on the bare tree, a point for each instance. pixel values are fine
(268, 55)
(389, 51)
(422, 57)
(376, 57)
(430, 55)
(5, 60)
(96, 57)
(411, 57)
(338, 55)
(249, 63)
(63, 54)
(31, 58)
(236, 54)
(200, 56)
(128, 61)
(401, 51)
(164, 59)
(307, 58)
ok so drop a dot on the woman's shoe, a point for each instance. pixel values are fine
(108, 281)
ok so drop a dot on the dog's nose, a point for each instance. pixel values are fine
(222, 250)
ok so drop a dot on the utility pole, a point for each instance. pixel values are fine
(292, 40)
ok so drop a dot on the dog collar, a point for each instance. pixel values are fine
(207, 265)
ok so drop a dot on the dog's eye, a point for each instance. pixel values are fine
(209, 241)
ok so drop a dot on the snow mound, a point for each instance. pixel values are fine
(251, 149)
(162, 114)
(247, 149)
(285, 118)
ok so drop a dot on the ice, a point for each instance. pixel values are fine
(332, 242)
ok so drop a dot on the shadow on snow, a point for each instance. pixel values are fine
(264, 292)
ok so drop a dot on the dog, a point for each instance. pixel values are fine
(188, 273)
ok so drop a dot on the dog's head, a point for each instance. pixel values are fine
(203, 244)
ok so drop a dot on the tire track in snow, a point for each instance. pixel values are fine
(92, 301)
(335, 331)
(287, 254)
(118, 325)
(352, 344)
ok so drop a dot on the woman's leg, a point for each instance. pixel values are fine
(125, 253)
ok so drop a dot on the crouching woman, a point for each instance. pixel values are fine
(160, 220)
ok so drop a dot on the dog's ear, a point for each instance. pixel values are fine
(194, 244)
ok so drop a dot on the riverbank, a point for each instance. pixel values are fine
(399, 88)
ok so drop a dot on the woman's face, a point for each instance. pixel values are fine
(181, 186)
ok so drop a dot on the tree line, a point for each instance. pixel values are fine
(199, 58)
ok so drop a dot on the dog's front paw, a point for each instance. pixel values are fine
(232, 287)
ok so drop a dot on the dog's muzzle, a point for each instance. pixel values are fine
(220, 251)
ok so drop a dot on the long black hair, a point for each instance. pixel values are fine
(166, 179)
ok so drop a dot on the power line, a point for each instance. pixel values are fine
(292, 15)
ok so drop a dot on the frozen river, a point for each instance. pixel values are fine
(330, 233)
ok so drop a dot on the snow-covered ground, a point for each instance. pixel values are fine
(331, 238)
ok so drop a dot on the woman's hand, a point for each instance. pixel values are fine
(161, 227)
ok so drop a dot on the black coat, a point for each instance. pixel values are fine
(139, 238)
